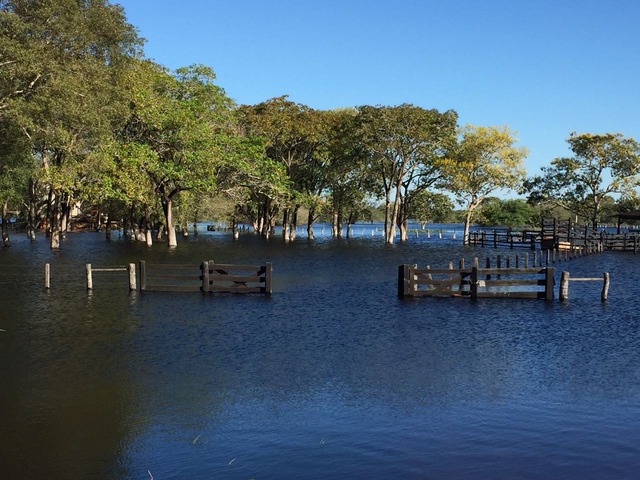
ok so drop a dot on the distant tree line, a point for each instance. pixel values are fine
(88, 122)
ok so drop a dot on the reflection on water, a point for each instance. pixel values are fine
(330, 377)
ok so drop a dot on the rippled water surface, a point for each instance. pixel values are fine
(331, 377)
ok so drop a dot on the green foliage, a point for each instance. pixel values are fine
(508, 213)
(403, 146)
(602, 165)
(485, 160)
(431, 207)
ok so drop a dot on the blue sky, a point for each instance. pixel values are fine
(545, 68)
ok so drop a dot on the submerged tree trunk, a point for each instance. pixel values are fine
(5, 225)
(310, 220)
(54, 221)
(467, 224)
(31, 220)
(167, 208)
(64, 214)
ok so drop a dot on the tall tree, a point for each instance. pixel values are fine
(62, 59)
(602, 165)
(293, 133)
(485, 161)
(404, 145)
(182, 129)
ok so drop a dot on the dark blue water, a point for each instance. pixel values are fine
(330, 377)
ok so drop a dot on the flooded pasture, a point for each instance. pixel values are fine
(330, 377)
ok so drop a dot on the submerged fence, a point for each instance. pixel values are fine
(208, 277)
(476, 282)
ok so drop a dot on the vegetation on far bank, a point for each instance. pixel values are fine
(89, 124)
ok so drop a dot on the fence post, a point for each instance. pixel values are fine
(132, 277)
(605, 287)
(204, 268)
(267, 278)
(89, 276)
(474, 282)
(549, 279)
(47, 276)
(143, 275)
(564, 286)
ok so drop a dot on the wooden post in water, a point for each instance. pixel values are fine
(564, 286)
(204, 267)
(549, 278)
(143, 275)
(89, 276)
(132, 277)
(267, 278)
(474, 282)
(47, 276)
(605, 287)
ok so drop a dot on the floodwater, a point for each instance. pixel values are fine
(331, 377)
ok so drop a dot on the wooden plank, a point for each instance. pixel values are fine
(482, 294)
(514, 282)
(192, 277)
(236, 267)
(509, 271)
(235, 289)
(217, 277)
(172, 288)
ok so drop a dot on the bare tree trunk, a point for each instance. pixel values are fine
(467, 224)
(31, 222)
(167, 207)
(55, 222)
(5, 225)
(49, 214)
(310, 219)
(286, 226)
(107, 230)
(64, 215)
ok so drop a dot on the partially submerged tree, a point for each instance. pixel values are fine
(485, 161)
(181, 128)
(404, 146)
(602, 165)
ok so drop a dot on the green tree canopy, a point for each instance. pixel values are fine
(602, 165)
(486, 160)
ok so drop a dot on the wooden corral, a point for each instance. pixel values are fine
(558, 235)
(207, 277)
(476, 282)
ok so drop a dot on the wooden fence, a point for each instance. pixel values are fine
(207, 277)
(476, 282)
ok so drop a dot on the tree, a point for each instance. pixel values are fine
(427, 206)
(602, 165)
(182, 130)
(486, 160)
(508, 213)
(60, 61)
(293, 133)
(404, 145)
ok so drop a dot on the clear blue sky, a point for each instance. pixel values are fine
(545, 68)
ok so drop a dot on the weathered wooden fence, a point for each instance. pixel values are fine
(476, 282)
(505, 238)
(206, 277)
(219, 277)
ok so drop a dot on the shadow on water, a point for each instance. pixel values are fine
(330, 377)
